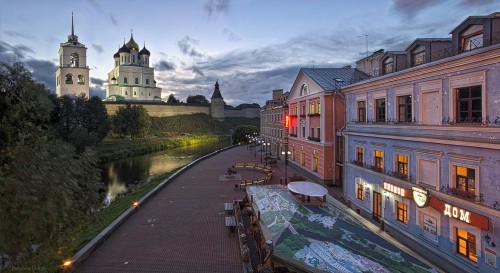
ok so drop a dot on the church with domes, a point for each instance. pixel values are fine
(132, 78)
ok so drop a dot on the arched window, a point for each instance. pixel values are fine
(69, 78)
(303, 90)
(81, 79)
(74, 60)
(125, 80)
(147, 81)
(388, 65)
(136, 80)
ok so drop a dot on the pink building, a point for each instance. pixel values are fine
(316, 109)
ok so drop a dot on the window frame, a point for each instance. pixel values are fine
(470, 103)
(361, 110)
(360, 154)
(388, 65)
(470, 246)
(377, 110)
(401, 165)
(418, 55)
(401, 212)
(467, 38)
(378, 161)
(406, 104)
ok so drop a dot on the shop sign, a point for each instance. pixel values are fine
(420, 196)
(490, 257)
(287, 121)
(395, 189)
(460, 214)
(430, 227)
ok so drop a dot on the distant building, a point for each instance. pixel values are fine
(132, 78)
(423, 146)
(316, 109)
(271, 122)
(370, 64)
(217, 103)
(72, 73)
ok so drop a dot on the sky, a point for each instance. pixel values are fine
(251, 46)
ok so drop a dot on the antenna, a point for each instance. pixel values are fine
(366, 40)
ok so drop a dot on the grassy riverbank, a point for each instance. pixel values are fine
(117, 148)
(92, 224)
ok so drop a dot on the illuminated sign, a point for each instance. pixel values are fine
(287, 121)
(420, 196)
(395, 189)
(460, 214)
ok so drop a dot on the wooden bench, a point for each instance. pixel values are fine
(250, 166)
(239, 165)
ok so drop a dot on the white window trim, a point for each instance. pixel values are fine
(453, 224)
(395, 167)
(463, 81)
(374, 108)
(452, 177)
(419, 222)
(438, 184)
(361, 97)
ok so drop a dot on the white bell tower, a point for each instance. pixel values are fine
(72, 74)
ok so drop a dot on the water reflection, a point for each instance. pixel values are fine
(120, 175)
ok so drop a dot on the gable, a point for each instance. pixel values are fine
(300, 80)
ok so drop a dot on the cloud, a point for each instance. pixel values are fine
(13, 33)
(215, 7)
(163, 65)
(97, 92)
(9, 53)
(96, 5)
(98, 48)
(44, 72)
(410, 8)
(113, 19)
(98, 82)
(186, 45)
(475, 3)
(198, 71)
(231, 36)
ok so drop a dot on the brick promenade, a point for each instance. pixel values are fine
(181, 229)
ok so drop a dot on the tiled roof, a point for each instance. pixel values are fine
(334, 78)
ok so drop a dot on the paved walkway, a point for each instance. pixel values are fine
(181, 229)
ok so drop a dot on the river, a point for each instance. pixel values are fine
(118, 175)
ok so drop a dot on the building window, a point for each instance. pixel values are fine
(74, 60)
(465, 179)
(136, 80)
(318, 107)
(69, 78)
(315, 163)
(418, 55)
(340, 149)
(318, 131)
(135, 93)
(312, 133)
(303, 90)
(311, 108)
(472, 38)
(126, 93)
(380, 110)
(147, 81)
(360, 155)
(303, 131)
(402, 165)
(133, 58)
(469, 108)
(81, 79)
(303, 157)
(125, 80)
(404, 108)
(360, 193)
(361, 111)
(303, 106)
(402, 212)
(466, 244)
(388, 65)
(378, 158)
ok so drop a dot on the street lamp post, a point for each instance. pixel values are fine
(286, 164)
(265, 149)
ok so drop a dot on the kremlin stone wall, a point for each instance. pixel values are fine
(162, 109)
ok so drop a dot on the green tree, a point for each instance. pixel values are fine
(172, 99)
(132, 120)
(197, 99)
(44, 185)
(241, 133)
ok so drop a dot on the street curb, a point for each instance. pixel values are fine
(84, 253)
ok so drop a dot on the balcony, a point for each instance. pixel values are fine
(313, 114)
(316, 139)
(465, 195)
(375, 168)
(474, 121)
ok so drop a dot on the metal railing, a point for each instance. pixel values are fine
(375, 168)
(465, 195)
